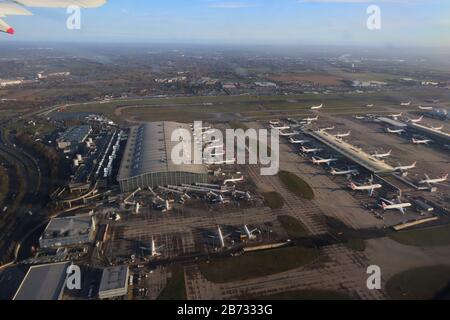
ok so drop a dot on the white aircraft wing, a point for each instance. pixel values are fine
(17, 8)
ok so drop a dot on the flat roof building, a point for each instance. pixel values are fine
(437, 135)
(392, 122)
(147, 160)
(68, 231)
(73, 137)
(43, 282)
(352, 153)
(114, 283)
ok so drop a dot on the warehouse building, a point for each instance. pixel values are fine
(43, 282)
(68, 231)
(147, 159)
(114, 283)
(73, 137)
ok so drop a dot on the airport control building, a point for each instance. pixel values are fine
(147, 159)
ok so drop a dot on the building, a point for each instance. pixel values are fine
(68, 231)
(43, 282)
(352, 153)
(73, 137)
(393, 123)
(147, 159)
(437, 135)
(114, 283)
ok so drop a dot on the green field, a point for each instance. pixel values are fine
(438, 236)
(419, 284)
(307, 295)
(293, 227)
(273, 200)
(257, 264)
(296, 185)
(175, 288)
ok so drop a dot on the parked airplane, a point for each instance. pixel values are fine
(312, 150)
(406, 104)
(397, 131)
(233, 180)
(343, 135)
(396, 115)
(349, 172)
(425, 108)
(369, 187)
(17, 7)
(295, 141)
(430, 182)
(274, 122)
(319, 161)
(221, 237)
(288, 134)
(421, 141)
(416, 120)
(437, 128)
(154, 250)
(391, 205)
(326, 129)
(309, 119)
(405, 168)
(370, 105)
(250, 233)
(382, 155)
(280, 127)
(317, 107)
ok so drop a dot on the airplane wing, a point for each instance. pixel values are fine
(16, 8)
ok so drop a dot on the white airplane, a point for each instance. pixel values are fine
(437, 128)
(370, 105)
(396, 131)
(154, 250)
(382, 155)
(17, 8)
(416, 120)
(343, 135)
(288, 134)
(250, 233)
(326, 129)
(433, 181)
(280, 127)
(233, 180)
(421, 141)
(369, 187)
(391, 205)
(425, 108)
(406, 168)
(317, 107)
(349, 172)
(319, 161)
(274, 122)
(309, 119)
(406, 104)
(312, 150)
(396, 115)
(295, 141)
(221, 237)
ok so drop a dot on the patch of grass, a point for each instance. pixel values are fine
(296, 185)
(257, 264)
(419, 284)
(4, 184)
(273, 200)
(312, 294)
(438, 236)
(175, 288)
(356, 244)
(293, 227)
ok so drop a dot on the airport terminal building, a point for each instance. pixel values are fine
(147, 159)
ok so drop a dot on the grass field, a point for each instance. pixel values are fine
(296, 185)
(4, 184)
(257, 264)
(438, 236)
(273, 200)
(307, 295)
(175, 288)
(293, 227)
(419, 284)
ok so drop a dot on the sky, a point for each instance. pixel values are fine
(413, 23)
